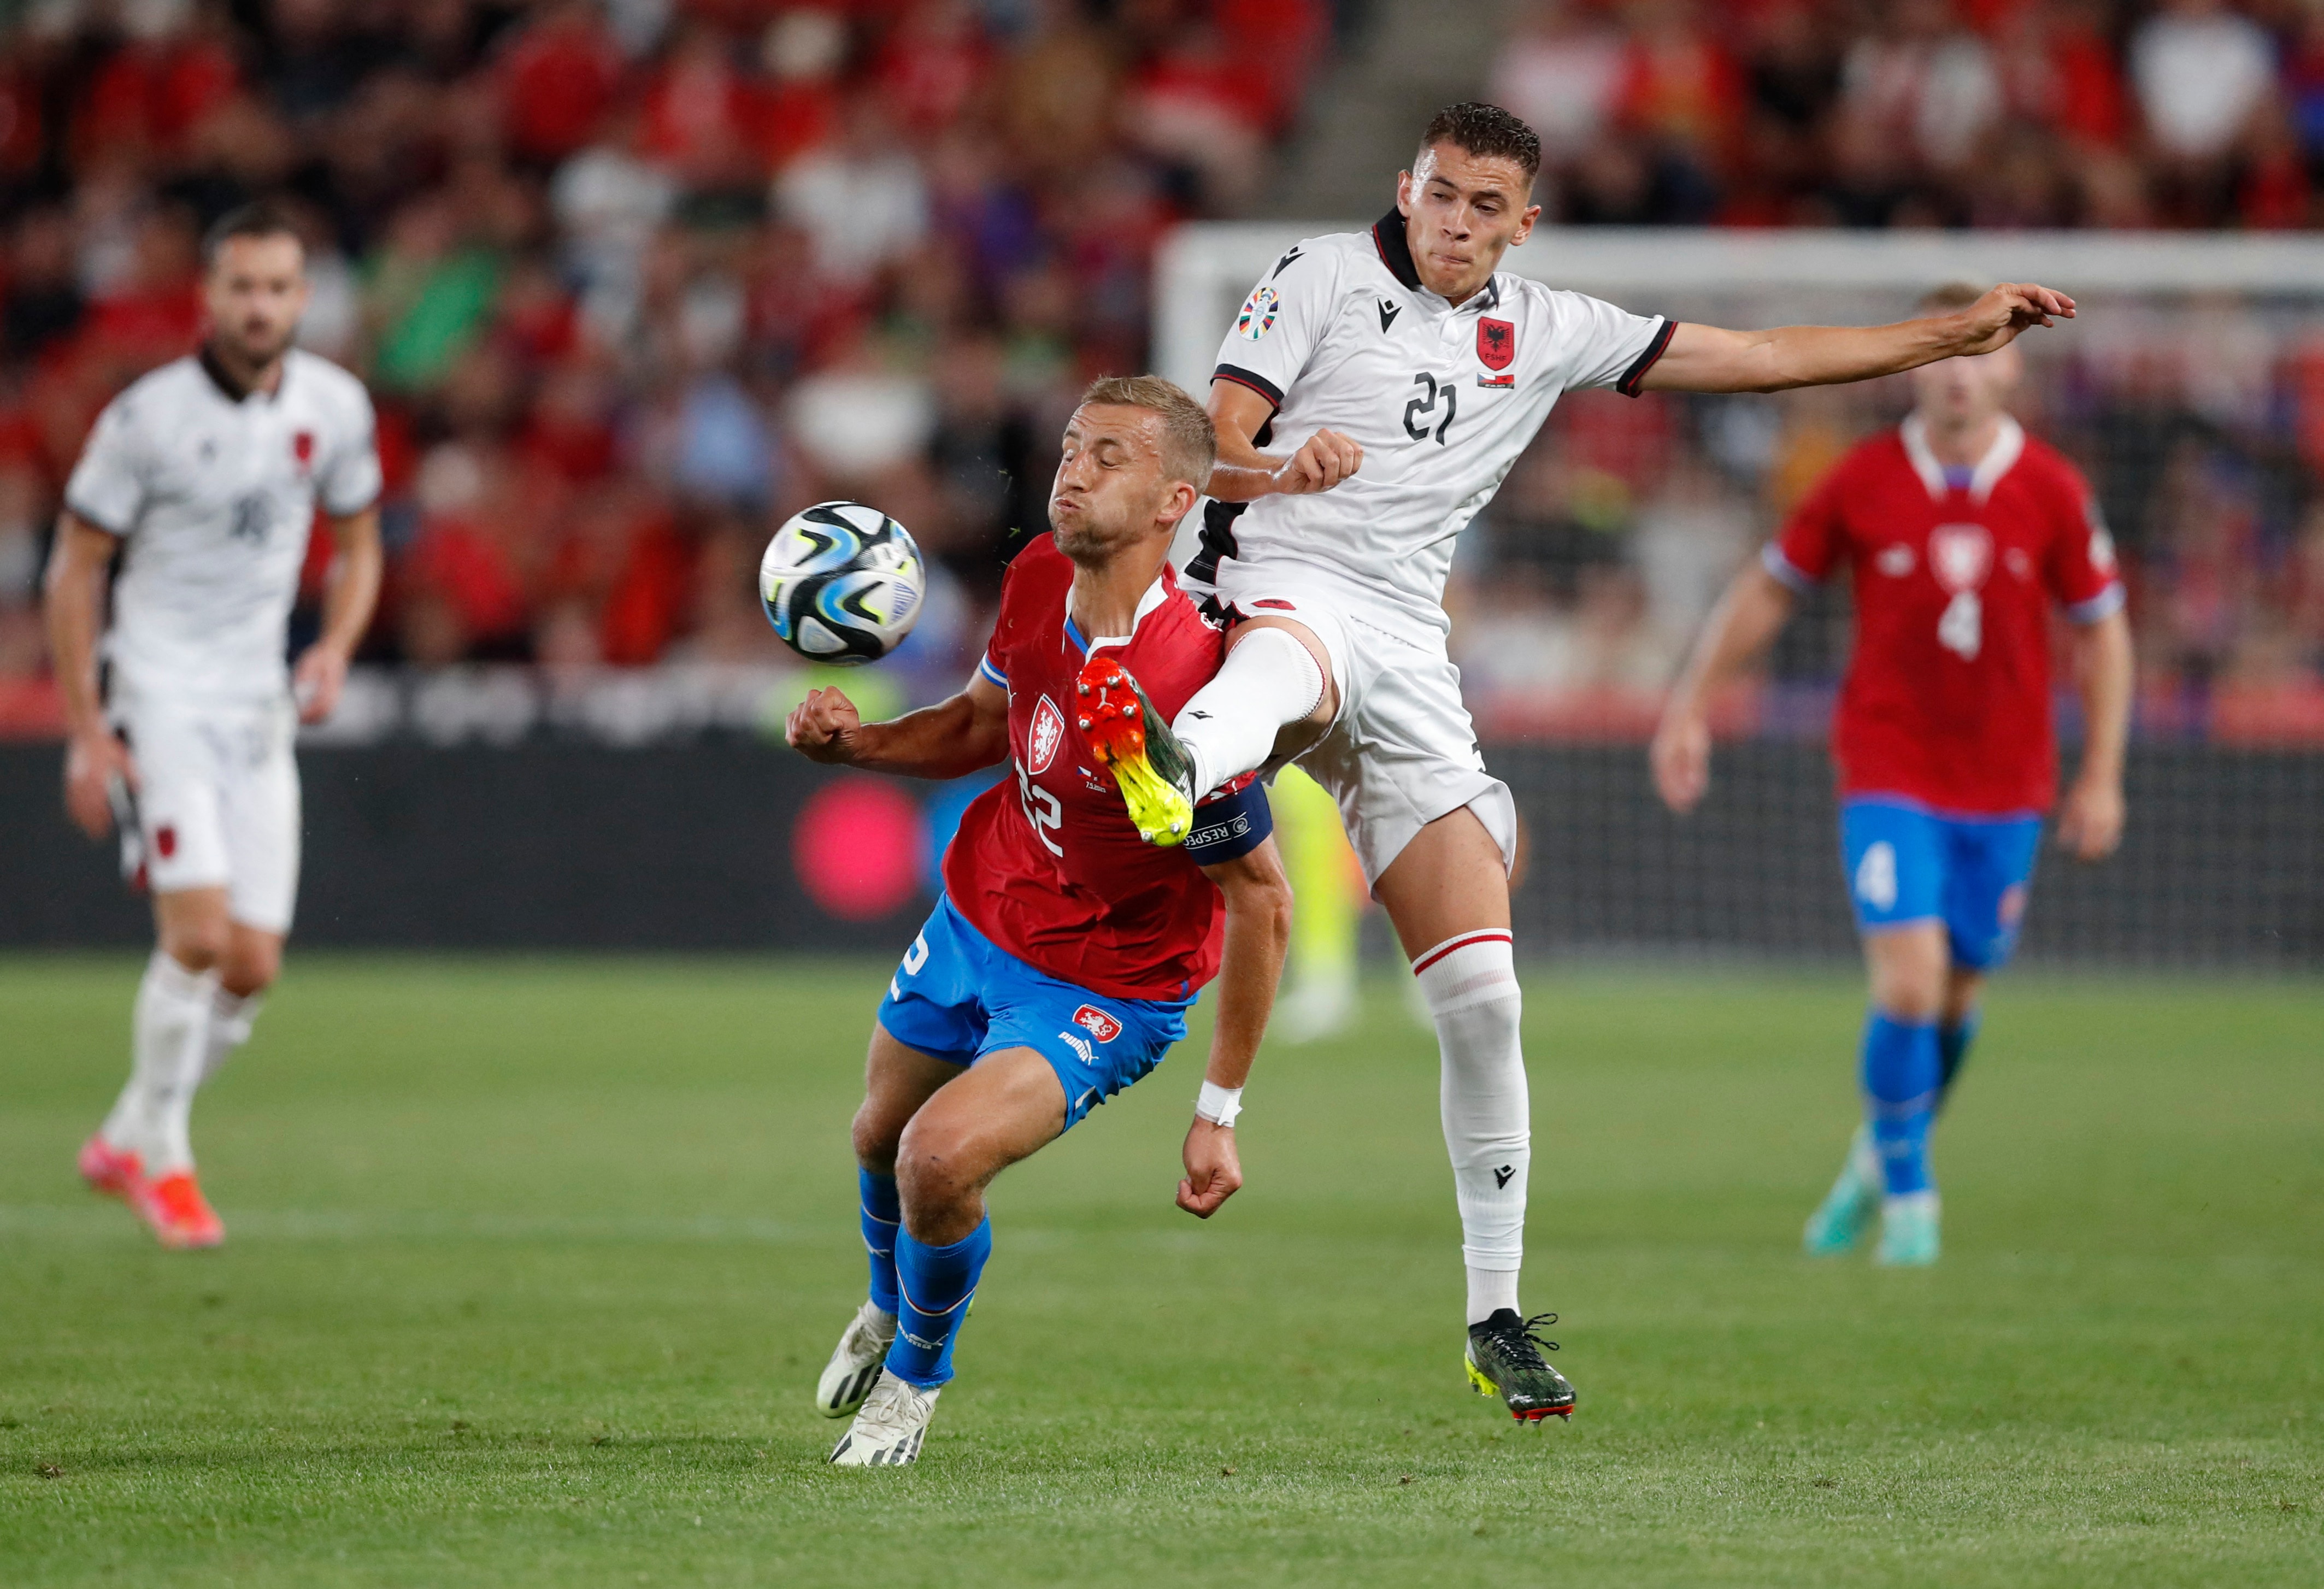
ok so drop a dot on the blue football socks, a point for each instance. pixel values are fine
(938, 1283)
(1900, 1071)
(1952, 1047)
(883, 1217)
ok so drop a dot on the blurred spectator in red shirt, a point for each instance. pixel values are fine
(559, 79)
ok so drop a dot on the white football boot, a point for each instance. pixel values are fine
(855, 1361)
(887, 1431)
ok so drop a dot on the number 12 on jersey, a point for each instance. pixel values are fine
(1044, 810)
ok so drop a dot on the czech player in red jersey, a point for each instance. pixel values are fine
(1960, 534)
(1058, 967)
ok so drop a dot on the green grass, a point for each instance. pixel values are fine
(532, 1264)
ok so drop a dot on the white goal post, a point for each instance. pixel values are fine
(1204, 268)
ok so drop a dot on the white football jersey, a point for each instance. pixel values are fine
(213, 494)
(1341, 335)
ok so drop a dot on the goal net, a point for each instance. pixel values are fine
(2191, 391)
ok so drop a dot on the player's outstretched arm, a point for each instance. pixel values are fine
(954, 736)
(94, 754)
(322, 669)
(2091, 819)
(1258, 934)
(1704, 358)
(1243, 472)
(1738, 629)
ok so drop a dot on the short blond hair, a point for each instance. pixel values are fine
(1190, 446)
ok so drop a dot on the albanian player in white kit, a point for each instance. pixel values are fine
(1405, 374)
(204, 476)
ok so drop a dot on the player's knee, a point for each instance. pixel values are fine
(934, 1175)
(249, 967)
(1911, 995)
(877, 1133)
(197, 945)
(1963, 988)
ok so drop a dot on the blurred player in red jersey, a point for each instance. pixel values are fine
(1960, 531)
(1058, 967)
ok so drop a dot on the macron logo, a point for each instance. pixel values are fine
(1501, 1176)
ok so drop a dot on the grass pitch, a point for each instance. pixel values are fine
(531, 1265)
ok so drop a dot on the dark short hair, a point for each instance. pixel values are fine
(260, 218)
(1485, 130)
(1189, 442)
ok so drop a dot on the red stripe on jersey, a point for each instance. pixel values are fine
(1255, 383)
(1490, 935)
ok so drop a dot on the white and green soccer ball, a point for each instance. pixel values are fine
(841, 583)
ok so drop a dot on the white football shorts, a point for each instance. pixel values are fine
(1403, 751)
(218, 802)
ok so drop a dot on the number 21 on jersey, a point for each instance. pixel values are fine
(1420, 414)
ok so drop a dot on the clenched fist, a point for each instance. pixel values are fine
(1322, 462)
(823, 727)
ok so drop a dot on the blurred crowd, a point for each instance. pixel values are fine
(631, 279)
(1924, 113)
(2199, 423)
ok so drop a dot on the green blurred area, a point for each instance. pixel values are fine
(532, 1262)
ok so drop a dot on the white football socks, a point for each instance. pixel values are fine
(1489, 1291)
(1228, 726)
(169, 1034)
(1470, 982)
(231, 1015)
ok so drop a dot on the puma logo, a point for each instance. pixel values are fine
(1501, 1176)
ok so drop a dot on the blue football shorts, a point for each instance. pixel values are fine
(959, 996)
(1908, 863)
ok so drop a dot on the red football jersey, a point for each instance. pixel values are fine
(1046, 863)
(1947, 699)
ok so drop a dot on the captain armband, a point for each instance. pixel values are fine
(1231, 826)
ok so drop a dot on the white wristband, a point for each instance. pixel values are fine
(1218, 1105)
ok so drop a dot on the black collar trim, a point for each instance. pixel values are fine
(222, 378)
(1388, 237)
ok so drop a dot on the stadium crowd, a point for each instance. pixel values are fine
(1925, 113)
(631, 279)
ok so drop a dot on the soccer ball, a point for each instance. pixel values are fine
(841, 583)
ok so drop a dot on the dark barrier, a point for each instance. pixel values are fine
(735, 845)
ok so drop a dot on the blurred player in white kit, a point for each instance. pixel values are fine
(204, 479)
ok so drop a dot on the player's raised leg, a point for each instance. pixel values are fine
(1276, 680)
(1447, 893)
(897, 1080)
(1007, 1106)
